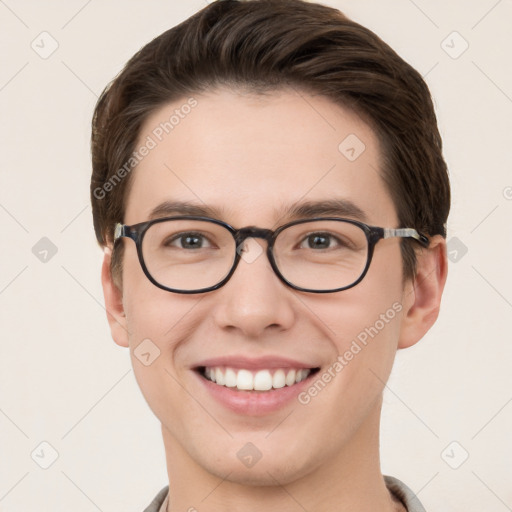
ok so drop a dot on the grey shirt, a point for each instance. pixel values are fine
(397, 488)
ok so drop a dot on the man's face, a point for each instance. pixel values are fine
(251, 158)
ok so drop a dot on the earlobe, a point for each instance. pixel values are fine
(422, 296)
(113, 303)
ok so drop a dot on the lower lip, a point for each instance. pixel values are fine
(254, 403)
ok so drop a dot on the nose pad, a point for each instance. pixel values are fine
(250, 249)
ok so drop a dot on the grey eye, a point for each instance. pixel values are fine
(320, 241)
(188, 241)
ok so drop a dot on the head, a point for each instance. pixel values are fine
(244, 110)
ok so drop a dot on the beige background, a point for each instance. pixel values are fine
(62, 379)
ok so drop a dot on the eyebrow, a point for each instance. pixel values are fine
(328, 207)
(338, 207)
(168, 208)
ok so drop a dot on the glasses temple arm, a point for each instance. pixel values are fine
(119, 231)
(406, 233)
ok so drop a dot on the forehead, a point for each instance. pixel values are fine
(251, 157)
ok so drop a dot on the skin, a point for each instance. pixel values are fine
(248, 155)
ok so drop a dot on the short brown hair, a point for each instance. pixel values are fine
(266, 45)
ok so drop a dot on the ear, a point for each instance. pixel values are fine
(422, 294)
(113, 303)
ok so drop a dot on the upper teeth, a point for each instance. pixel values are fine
(261, 380)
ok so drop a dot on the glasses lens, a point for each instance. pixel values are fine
(188, 254)
(321, 255)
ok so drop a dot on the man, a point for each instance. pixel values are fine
(269, 190)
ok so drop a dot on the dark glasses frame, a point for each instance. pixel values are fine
(373, 234)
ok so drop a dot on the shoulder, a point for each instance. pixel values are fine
(158, 500)
(404, 494)
(395, 486)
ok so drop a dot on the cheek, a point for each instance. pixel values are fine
(160, 317)
(150, 311)
(375, 313)
(158, 327)
(369, 309)
(157, 324)
(363, 325)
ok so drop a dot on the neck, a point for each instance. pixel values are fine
(350, 480)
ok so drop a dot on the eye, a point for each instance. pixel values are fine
(188, 241)
(321, 241)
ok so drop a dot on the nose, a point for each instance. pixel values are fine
(254, 301)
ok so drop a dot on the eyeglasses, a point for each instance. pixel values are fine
(192, 254)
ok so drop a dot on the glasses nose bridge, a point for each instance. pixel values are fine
(243, 234)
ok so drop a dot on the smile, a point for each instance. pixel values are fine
(261, 380)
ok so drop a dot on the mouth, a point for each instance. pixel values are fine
(262, 380)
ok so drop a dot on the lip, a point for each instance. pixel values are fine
(253, 403)
(255, 363)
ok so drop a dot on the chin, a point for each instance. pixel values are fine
(271, 470)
